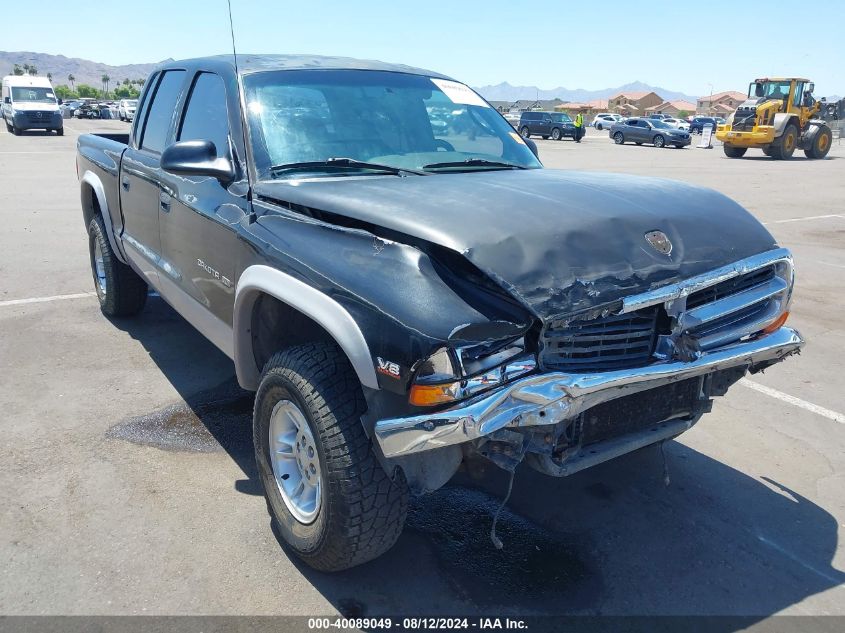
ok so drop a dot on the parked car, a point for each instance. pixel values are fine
(68, 108)
(554, 125)
(403, 302)
(658, 117)
(697, 124)
(677, 123)
(88, 110)
(513, 118)
(604, 120)
(652, 131)
(126, 109)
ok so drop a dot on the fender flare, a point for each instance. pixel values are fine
(259, 279)
(782, 119)
(93, 181)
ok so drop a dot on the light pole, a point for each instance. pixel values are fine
(710, 103)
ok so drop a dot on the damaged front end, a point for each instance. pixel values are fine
(602, 383)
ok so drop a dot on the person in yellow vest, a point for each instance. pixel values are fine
(579, 127)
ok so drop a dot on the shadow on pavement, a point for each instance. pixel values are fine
(611, 540)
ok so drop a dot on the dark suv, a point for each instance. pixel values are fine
(696, 126)
(555, 125)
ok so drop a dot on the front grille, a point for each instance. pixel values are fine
(730, 287)
(604, 344)
(38, 117)
(744, 119)
(640, 411)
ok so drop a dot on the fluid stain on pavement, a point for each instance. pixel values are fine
(534, 563)
(206, 422)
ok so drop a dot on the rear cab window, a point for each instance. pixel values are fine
(162, 111)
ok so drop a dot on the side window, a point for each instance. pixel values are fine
(141, 112)
(161, 111)
(799, 92)
(207, 118)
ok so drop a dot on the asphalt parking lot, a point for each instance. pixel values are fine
(124, 491)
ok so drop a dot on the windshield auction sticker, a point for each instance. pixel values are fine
(459, 93)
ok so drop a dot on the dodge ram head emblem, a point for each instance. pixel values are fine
(659, 242)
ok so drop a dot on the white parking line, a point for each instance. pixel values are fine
(798, 402)
(20, 302)
(811, 217)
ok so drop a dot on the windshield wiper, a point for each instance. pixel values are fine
(473, 162)
(345, 163)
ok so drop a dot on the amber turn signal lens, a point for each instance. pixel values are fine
(777, 324)
(430, 395)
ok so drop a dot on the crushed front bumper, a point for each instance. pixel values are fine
(549, 398)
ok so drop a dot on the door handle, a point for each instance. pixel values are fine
(124, 182)
(164, 202)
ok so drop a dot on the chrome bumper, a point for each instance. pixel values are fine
(552, 397)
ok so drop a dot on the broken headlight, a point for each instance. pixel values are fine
(452, 375)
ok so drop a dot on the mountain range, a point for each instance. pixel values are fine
(89, 72)
(506, 92)
(85, 71)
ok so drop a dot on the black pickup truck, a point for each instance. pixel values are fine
(405, 287)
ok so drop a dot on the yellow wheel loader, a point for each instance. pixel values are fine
(777, 117)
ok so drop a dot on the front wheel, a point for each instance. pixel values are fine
(659, 141)
(619, 138)
(734, 152)
(784, 147)
(334, 505)
(60, 132)
(119, 290)
(598, 126)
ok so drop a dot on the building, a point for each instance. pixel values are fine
(633, 103)
(588, 109)
(677, 108)
(719, 104)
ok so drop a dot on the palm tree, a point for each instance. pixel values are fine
(71, 79)
(106, 79)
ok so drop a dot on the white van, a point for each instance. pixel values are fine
(29, 103)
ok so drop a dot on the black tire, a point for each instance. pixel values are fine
(821, 144)
(556, 134)
(524, 132)
(732, 151)
(60, 132)
(658, 141)
(619, 138)
(124, 293)
(16, 130)
(8, 126)
(784, 146)
(362, 510)
(598, 127)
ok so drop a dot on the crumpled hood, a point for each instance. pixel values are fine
(559, 241)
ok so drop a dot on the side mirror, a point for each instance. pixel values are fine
(7, 100)
(532, 146)
(810, 87)
(197, 158)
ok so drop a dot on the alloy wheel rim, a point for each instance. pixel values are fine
(100, 270)
(295, 461)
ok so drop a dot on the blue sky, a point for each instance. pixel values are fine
(663, 43)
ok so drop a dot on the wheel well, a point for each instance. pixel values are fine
(275, 326)
(90, 204)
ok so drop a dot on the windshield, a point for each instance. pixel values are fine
(659, 123)
(396, 119)
(769, 89)
(29, 93)
(561, 118)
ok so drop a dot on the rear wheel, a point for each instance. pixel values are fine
(821, 144)
(784, 147)
(556, 134)
(119, 290)
(659, 141)
(734, 152)
(619, 138)
(334, 505)
(524, 133)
